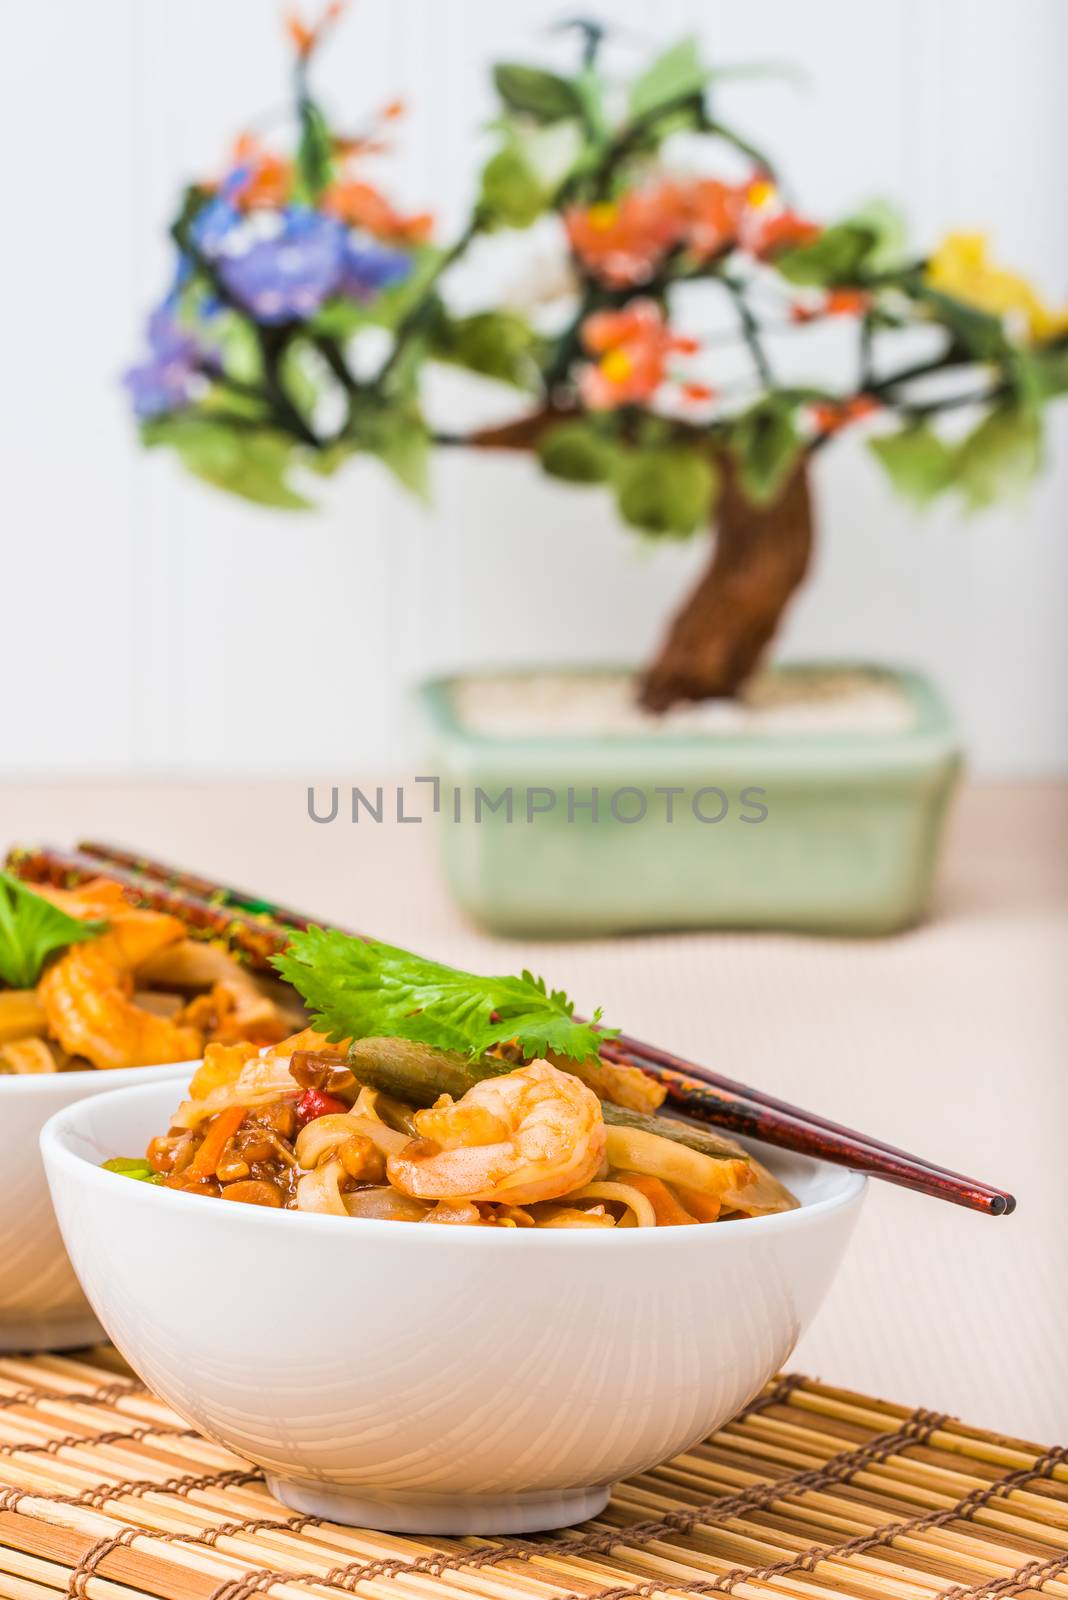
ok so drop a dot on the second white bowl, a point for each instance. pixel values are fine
(435, 1379)
(41, 1304)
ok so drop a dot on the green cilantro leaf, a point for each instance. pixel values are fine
(31, 930)
(361, 989)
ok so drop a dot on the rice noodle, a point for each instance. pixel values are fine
(320, 1138)
(366, 1102)
(258, 1080)
(384, 1204)
(561, 1216)
(27, 1056)
(320, 1190)
(634, 1150)
(456, 1213)
(388, 1140)
(623, 1194)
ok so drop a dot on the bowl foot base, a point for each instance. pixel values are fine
(527, 1512)
(50, 1333)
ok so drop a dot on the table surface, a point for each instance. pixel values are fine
(948, 1040)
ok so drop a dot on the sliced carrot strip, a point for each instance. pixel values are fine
(225, 1124)
(705, 1207)
(669, 1213)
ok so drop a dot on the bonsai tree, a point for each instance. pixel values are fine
(259, 363)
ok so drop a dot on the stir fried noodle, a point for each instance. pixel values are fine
(360, 1131)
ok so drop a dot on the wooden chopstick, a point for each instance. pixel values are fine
(252, 936)
(790, 1128)
(202, 888)
(254, 926)
(747, 1111)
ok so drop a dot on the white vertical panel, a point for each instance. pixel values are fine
(152, 625)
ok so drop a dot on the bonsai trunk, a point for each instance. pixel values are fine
(760, 556)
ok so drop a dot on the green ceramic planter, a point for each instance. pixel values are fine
(826, 833)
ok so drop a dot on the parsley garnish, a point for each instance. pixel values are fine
(361, 989)
(31, 930)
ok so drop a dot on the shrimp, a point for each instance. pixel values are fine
(98, 897)
(533, 1134)
(87, 996)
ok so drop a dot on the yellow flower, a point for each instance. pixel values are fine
(616, 366)
(761, 193)
(961, 267)
(602, 216)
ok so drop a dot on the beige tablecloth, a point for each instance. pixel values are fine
(949, 1040)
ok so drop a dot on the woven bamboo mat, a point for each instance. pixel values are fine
(812, 1491)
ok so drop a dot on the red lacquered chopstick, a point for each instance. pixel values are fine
(733, 1094)
(247, 921)
(203, 888)
(250, 935)
(694, 1092)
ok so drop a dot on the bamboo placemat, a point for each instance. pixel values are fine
(812, 1491)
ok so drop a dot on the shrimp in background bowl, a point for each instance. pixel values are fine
(133, 991)
(88, 998)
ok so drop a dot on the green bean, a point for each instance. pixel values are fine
(418, 1073)
(681, 1132)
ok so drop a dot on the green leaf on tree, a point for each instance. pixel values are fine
(399, 437)
(1039, 374)
(235, 336)
(837, 256)
(512, 194)
(976, 331)
(324, 463)
(221, 402)
(666, 490)
(577, 453)
(552, 153)
(1001, 457)
(766, 445)
(889, 249)
(534, 93)
(676, 75)
(252, 463)
(296, 371)
(315, 162)
(341, 317)
(496, 344)
(918, 463)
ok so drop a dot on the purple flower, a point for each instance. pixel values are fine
(282, 265)
(368, 268)
(171, 375)
(213, 225)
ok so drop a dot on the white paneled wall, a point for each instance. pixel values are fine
(150, 625)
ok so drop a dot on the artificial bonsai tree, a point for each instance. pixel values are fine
(259, 367)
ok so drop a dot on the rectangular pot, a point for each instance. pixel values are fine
(827, 833)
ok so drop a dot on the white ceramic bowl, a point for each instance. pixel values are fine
(434, 1379)
(41, 1305)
